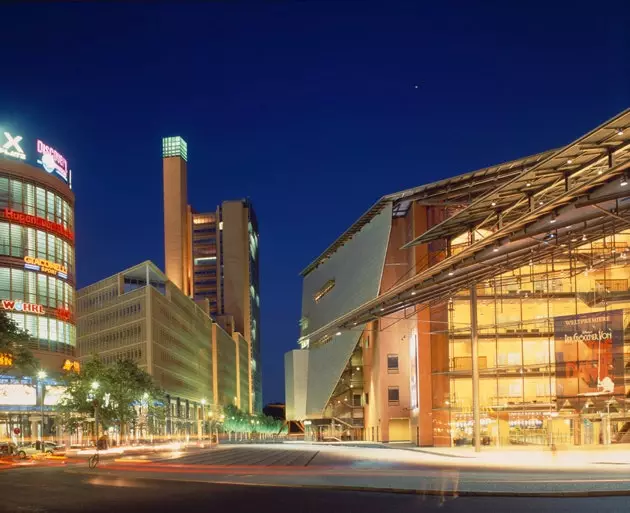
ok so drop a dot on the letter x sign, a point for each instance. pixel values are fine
(12, 141)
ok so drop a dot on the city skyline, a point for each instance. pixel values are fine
(306, 138)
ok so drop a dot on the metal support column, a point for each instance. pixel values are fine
(475, 368)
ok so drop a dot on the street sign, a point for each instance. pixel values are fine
(17, 431)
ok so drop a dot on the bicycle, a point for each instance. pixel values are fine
(93, 460)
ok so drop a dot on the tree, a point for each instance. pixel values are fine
(14, 350)
(237, 421)
(117, 391)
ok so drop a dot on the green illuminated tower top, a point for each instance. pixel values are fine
(174, 147)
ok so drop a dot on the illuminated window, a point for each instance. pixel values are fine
(393, 395)
(203, 219)
(174, 147)
(328, 286)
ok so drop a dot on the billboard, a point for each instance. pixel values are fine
(53, 394)
(13, 394)
(413, 369)
(589, 356)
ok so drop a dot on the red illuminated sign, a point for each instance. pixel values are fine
(19, 306)
(39, 222)
(63, 314)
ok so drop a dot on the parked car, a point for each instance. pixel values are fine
(7, 448)
(30, 449)
(54, 447)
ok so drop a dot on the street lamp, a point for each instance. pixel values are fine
(41, 376)
(94, 386)
(203, 416)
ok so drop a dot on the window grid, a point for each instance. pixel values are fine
(33, 200)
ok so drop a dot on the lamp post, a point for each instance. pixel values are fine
(203, 417)
(94, 386)
(41, 376)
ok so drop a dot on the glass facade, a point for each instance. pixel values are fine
(38, 223)
(552, 341)
(35, 200)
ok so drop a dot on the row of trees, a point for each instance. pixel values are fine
(125, 396)
(116, 393)
(237, 421)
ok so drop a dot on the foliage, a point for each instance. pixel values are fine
(117, 391)
(237, 421)
(14, 347)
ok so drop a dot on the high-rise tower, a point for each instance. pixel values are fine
(213, 257)
(177, 244)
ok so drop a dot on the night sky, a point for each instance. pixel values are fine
(309, 109)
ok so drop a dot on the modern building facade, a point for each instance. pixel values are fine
(488, 309)
(141, 315)
(37, 274)
(213, 258)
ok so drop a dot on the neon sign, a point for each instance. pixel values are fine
(71, 365)
(40, 222)
(45, 266)
(51, 160)
(19, 306)
(11, 147)
(63, 314)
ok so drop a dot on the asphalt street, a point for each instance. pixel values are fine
(57, 490)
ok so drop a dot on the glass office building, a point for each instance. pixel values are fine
(37, 278)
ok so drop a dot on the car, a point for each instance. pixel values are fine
(31, 449)
(54, 447)
(7, 448)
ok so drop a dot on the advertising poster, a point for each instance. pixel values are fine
(13, 394)
(413, 369)
(589, 355)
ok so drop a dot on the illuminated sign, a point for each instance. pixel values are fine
(72, 365)
(39, 222)
(45, 266)
(19, 306)
(17, 395)
(54, 394)
(10, 146)
(6, 360)
(52, 161)
(63, 314)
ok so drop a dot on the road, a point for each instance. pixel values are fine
(58, 490)
(308, 478)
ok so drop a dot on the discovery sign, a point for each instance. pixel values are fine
(14, 146)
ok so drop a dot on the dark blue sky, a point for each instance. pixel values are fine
(307, 108)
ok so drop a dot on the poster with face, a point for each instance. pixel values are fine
(589, 355)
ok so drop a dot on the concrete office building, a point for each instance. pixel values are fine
(213, 258)
(37, 277)
(492, 308)
(141, 315)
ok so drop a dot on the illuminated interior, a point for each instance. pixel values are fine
(535, 388)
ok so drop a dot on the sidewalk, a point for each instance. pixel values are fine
(533, 457)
